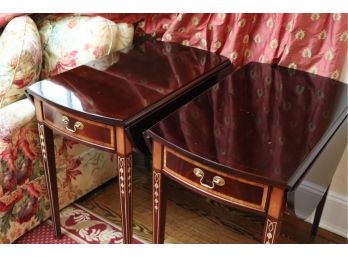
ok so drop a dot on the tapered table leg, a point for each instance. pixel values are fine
(47, 149)
(317, 216)
(158, 196)
(274, 216)
(124, 164)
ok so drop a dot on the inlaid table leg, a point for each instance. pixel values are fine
(47, 149)
(124, 164)
(274, 216)
(158, 196)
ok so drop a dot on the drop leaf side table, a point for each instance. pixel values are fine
(256, 141)
(107, 104)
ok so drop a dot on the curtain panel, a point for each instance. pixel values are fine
(316, 43)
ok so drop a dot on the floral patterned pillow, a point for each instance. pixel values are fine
(20, 58)
(73, 40)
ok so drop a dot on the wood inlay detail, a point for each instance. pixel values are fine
(129, 173)
(221, 196)
(124, 165)
(42, 140)
(271, 228)
(121, 172)
(53, 116)
(38, 109)
(156, 184)
(125, 172)
(50, 174)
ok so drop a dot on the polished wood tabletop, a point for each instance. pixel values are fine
(134, 88)
(261, 123)
(257, 140)
(124, 86)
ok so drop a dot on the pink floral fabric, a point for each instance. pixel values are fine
(70, 41)
(23, 193)
(316, 43)
(6, 17)
(20, 58)
(17, 151)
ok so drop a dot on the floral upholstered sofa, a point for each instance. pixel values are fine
(33, 48)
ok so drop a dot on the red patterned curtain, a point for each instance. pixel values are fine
(316, 43)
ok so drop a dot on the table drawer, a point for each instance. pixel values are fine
(79, 128)
(228, 188)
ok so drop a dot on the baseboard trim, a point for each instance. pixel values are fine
(335, 214)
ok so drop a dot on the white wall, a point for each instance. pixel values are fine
(339, 182)
(335, 214)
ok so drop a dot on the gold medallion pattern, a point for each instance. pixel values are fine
(298, 41)
(270, 23)
(257, 39)
(306, 53)
(300, 34)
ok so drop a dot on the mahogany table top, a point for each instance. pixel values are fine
(262, 122)
(125, 86)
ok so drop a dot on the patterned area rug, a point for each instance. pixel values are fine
(79, 226)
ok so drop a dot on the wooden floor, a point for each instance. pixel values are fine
(194, 219)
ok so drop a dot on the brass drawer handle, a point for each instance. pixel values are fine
(77, 125)
(217, 180)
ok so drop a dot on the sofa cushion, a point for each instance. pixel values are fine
(23, 193)
(73, 40)
(20, 58)
(15, 116)
(6, 17)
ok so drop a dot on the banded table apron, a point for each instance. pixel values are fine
(108, 103)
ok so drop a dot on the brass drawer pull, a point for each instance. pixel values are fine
(217, 180)
(77, 125)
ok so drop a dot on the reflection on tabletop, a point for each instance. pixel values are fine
(129, 81)
(262, 119)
